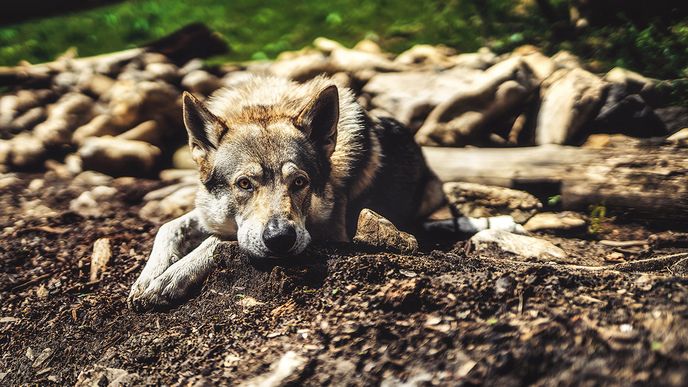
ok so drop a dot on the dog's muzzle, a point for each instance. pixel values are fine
(279, 236)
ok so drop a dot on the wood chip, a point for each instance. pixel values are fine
(102, 252)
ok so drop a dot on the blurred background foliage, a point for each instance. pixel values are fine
(647, 36)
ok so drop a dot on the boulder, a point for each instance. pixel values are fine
(570, 100)
(201, 82)
(525, 247)
(147, 131)
(410, 95)
(473, 111)
(374, 230)
(100, 125)
(174, 205)
(119, 157)
(426, 55)
(480, 201)
(93, 202)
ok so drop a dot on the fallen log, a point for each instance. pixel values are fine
(649, 183)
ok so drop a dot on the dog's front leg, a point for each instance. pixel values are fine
(180, 279)
(174, 240)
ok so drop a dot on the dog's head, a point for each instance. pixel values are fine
(262, 173)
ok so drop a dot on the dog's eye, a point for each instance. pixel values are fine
(245, 184)
(300, 182)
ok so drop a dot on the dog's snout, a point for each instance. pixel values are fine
(279, 236)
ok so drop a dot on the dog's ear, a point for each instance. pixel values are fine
(204, 129)
(319, 119)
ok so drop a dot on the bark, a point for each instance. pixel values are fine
(648, 183)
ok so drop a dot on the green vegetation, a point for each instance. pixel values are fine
(263, 29)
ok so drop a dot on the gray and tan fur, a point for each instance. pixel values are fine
(282, 164)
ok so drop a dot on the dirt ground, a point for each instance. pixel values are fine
(338, 316)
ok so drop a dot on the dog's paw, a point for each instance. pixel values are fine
(162, 292)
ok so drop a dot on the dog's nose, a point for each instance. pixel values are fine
(278, 236)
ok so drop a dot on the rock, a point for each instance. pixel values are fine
(471, 112)
(478, 201)
(101, 125)
(102, 252)
(570, 99)
(427, 55)
(302, 67)
(65, 81)
(42, 357)
(147, 131)
(403, 293)
(347, 60)
(505, 285)
(201, 82)
(369, 46)
(634, 81)
(550, 221)
(410, 95)
(627, 113)
(181, 159)
(376, 231)
(95, 84)
(541, 65)
(566, 60)
(172, 206)
(286, 371)
(90, 179)
(29, 119)
(119, 157)
(679, 138)
(98, 376)
(481, 60)
(192, 65)
(131, 102)
(53, 132)
(23, 151)
(521, 245)
(93, 202)
(167, 72)
(674, 118)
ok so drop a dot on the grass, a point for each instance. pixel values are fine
(263, 29)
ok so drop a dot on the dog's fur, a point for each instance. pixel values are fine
(293, 161)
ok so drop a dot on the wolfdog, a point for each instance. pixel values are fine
(282, 164)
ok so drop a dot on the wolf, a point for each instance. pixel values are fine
(282, 164)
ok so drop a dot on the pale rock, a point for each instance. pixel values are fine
(100, 125)
(96, 84)
(23, 151)
(93, 202)
(479, 201)
(284, 372)
(201, 82)
(679, 138)
(172, 206)
(147, 131)
(570, 98)
(480, 60)
(164, 71)
(471, 111)
(566, 60)
(410, 95)
(369, 46)
(301, 67)
(523, 246)
(427, 55)
(376, 231)
(90, 179)
(190, 66)
(132, 102)
(53, 132)
(29, 119)
(550, 221)
(99, 376)
(181, 159)
(119, 157)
